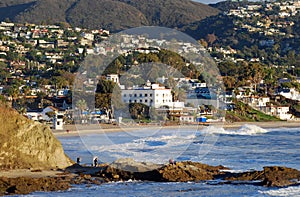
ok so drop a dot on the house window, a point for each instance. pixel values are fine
(146, 101)
(150, 95)
(130, 101)
(135, 95)
(141, 95)
(130, 95)
(124, 95)
(146, 95)
(141, 101)
(135, 101)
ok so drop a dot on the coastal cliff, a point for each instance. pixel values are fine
(27, 144)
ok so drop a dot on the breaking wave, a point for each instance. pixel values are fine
(289, 191)
(246, 129)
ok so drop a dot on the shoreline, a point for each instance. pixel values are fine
(76, 130)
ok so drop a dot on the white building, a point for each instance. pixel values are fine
(282, 112)
(187, 119)
(151, 95)
(113, 77)
(290, 93)
(58, 121)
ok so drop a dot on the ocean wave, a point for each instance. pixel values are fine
(156, 149)
(246, 129)
(289, 191)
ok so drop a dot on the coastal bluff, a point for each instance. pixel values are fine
(27, 144)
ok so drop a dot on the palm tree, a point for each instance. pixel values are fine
(81, 105)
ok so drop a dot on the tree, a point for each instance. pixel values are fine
(81, 105)
(14, 92)
(139, 111)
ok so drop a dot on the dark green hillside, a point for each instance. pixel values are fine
(107, 14)
(172, 13)
(113, 15)
(45, 11)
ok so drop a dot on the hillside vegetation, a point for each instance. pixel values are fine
(113, 15)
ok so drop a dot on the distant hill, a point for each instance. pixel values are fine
(114, 15)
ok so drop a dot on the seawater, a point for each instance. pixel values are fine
(247, 148)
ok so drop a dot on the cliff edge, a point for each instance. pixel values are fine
(28, 144)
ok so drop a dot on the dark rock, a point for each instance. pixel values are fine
(26, 185)
(280, 176)
(274, 176)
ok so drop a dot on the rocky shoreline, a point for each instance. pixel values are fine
(128, 169)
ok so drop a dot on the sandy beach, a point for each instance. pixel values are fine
(75, 130)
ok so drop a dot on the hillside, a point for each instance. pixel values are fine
(27, 144)
(172, 13)
(107, 14)
(114, 15)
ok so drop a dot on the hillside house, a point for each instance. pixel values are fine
(151, 95)
(280, 111)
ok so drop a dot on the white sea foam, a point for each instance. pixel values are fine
(289, 191)
(156, 149)
(246, 129)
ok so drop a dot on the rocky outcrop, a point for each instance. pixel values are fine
(193, 171)
(126, 169)
(26, 185)
(28, 144)
(274, 176)
(190, 171)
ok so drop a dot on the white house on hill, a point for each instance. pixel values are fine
(151, 95)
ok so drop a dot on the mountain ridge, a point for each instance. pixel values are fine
(114, 15)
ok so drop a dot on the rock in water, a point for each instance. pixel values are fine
(28, 144)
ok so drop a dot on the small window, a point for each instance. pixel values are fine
(146, 101)
(141, 95)
(141, 101)
(130, 95)
(135, 95)
(124, 95)
(150, 95)
(146, 95)
(130, 101)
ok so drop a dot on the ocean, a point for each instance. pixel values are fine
(247, 148)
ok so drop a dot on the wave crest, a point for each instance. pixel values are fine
(246, 129)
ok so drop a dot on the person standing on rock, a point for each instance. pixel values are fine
(95, 161)
(78, 160)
